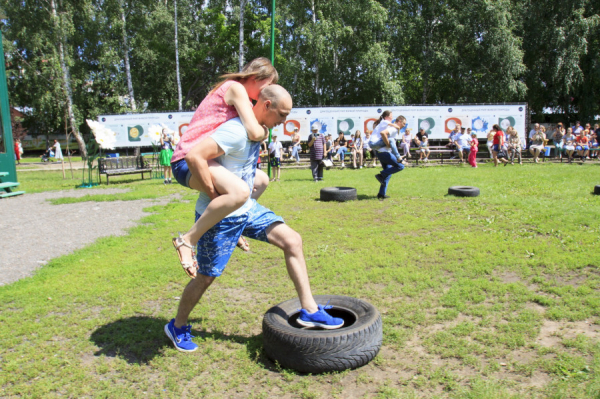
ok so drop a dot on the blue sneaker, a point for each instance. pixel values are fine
(320, 319)
(181, 337)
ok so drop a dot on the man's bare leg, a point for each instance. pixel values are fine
(282, 236)
(190, 297)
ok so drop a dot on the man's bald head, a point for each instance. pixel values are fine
(273, 106)
(276, 94)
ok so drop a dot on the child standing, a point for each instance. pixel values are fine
(229, 99)
(166, 152)
(474, 148)
(275, 149)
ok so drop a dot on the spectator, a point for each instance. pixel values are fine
(316, 145)
(490, 142)
(17, 152)
(582, 147)
(58, 156)
(341, 148)
(594, 141)
(569, 143)
(275, 149)
(367, 148)
(166, 152)
(21, 152)
(537, 144)
(264, 152)
(514, 145)
(577, 129)
(328, 148)
(557, 139)
(295, 147)
(532, 132)
(422, 141)
(474, 148)
(357, 150)
(452, 139)
(498, 146)
(463, 143)
(405, 143)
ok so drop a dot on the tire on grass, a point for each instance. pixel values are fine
(463, 191)
(340, 194)
(315, 350)
(597, 190)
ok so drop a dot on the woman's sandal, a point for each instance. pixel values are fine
(178, 242)
(244, 246)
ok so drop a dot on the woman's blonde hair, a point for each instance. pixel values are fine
(260, 68)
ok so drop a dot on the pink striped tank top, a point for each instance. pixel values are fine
(211, 113)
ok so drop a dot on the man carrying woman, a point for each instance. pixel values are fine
(391, 161)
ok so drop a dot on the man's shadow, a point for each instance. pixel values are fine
(140, 339)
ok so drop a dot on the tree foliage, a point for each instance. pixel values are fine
(334, 52)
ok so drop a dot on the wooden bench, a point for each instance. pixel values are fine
(441, 150)
(123, 166)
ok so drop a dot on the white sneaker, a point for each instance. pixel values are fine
(360, 167)
(343, 166)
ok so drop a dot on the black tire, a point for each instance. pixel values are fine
(340, 194)
(463, 191)
(318, 351)
(597, 190)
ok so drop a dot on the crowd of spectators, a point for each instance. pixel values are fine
(503, 146)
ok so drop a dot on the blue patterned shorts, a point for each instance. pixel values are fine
(275, 162)
(216, 246)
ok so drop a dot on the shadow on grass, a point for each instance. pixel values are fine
(140, 339)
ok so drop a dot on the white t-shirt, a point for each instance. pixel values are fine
(275, 147)
(463, 140)
(577, 131)
(376, 134)
(57, 151)
(393, 135)
(366, 143)
(240, 157)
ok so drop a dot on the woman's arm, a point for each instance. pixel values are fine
(237, 96)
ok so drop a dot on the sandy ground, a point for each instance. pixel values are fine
(33, 231)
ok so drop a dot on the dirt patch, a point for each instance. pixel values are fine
(40, 231)
(552, 333)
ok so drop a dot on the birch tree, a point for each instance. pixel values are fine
(60, 38)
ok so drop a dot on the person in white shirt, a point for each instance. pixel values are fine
(57, 151)
(532, 132)
(275, 149)
(463, 143)
(452, 139)
(577, 129)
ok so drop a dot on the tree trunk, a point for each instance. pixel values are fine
(177, 59)
(316, 64)
(241, 51)
(126, 59)
(66, 81)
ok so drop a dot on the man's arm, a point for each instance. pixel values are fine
(197, 161)
(384, 137)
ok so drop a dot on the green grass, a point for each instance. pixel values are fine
(39, 159)
(488, 297)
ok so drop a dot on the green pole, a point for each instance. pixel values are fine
(272, 62)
